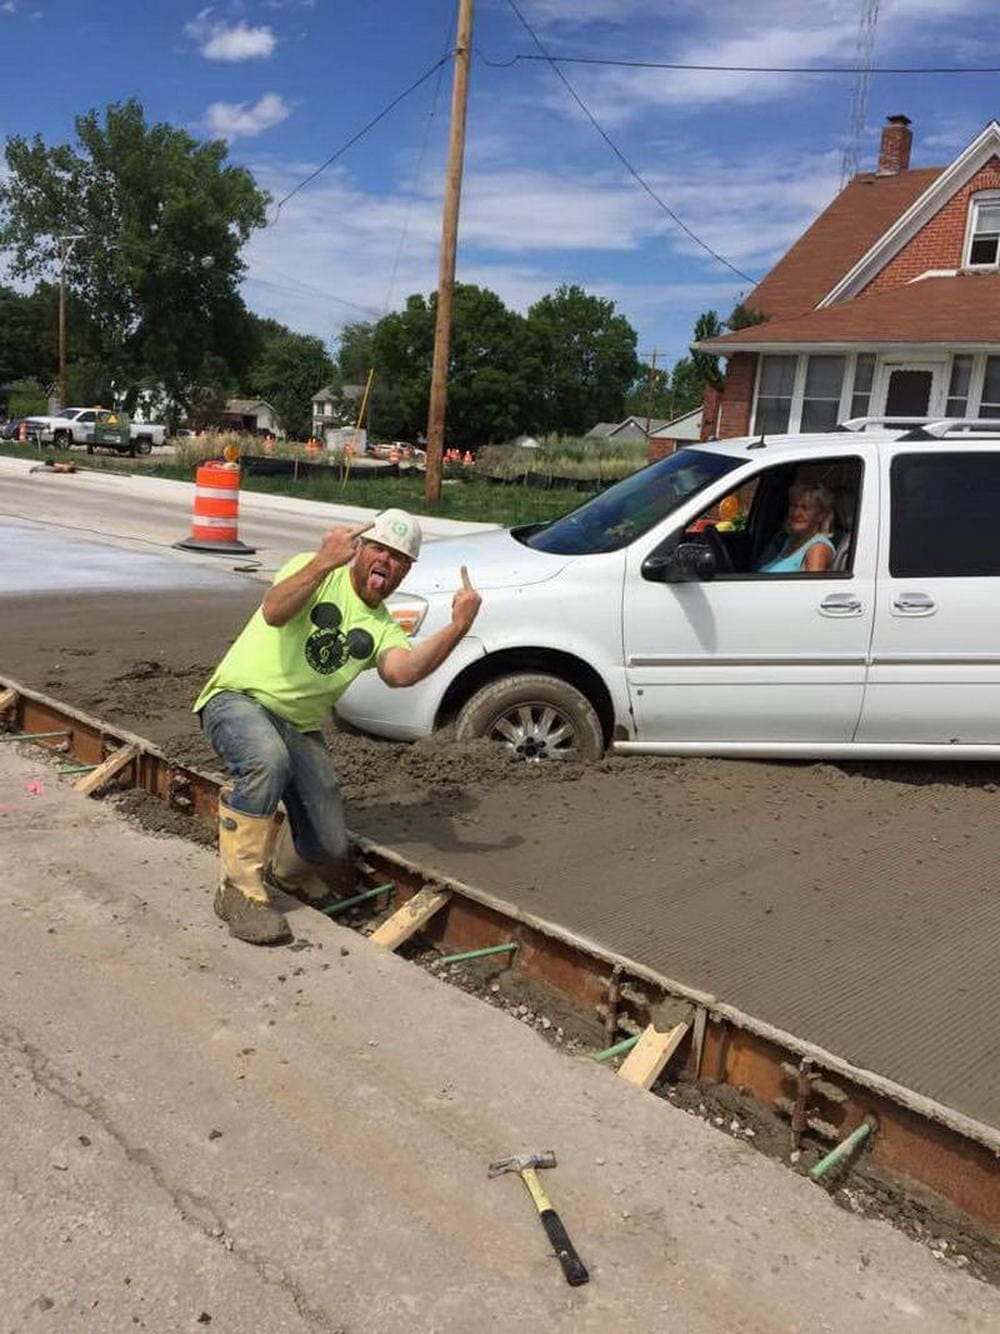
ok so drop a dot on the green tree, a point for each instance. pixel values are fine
(488, 389)
(583, 358)
(162, 220)
(286, 371)
(692, 373)
(354, 351)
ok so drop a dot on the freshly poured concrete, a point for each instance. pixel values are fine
(201, 1134)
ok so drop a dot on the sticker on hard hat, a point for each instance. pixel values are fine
(400, 529)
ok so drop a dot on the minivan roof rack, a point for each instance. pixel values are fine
(860, 423)
(946, 426)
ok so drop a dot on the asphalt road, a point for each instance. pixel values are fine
(201, 1134)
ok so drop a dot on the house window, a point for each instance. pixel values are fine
(958, 387)
(864, 374)
(984, 238)
(821, 396)
(774, 394)
(989, 404)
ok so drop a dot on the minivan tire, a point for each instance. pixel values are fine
(527, 713)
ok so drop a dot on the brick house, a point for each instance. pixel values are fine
(888, 305)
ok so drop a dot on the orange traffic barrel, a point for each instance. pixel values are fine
(215, 523)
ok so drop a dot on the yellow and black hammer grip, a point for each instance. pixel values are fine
(573, 1267)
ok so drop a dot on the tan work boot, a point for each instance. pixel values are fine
(241, 899)
(306, 881)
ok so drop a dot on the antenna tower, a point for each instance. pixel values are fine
(867, 24)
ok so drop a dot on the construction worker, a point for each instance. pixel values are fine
(321, 622)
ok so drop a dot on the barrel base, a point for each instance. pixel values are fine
(223, 548)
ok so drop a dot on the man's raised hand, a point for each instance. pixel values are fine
(340, 545)
(465, 604)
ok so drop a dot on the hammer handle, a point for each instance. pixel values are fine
(573, 1267)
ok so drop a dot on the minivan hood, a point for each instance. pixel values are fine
(494, 560)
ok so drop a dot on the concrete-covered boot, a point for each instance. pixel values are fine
(242, 899)
(307, 881)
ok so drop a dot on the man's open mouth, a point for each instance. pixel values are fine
(378, 577)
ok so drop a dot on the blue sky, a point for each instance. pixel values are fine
(746, 160)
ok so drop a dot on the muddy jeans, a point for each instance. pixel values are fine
(270, 762)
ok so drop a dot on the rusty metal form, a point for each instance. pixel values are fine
(919, 1141)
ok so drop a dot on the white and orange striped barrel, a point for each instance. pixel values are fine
(216, 516)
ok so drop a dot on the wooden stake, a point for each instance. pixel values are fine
(449, 244)
(8, 699)
(647, 1059)
(90, 783)
(407, 921)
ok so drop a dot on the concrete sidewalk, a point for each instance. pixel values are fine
(296, 1139)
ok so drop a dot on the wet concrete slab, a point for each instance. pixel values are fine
(36, 560)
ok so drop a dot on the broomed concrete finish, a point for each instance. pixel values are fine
(150, 513)
(297, 1140)
(856, 913)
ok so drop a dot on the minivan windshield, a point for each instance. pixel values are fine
(632, 506)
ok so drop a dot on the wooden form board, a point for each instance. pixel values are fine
(647, 1059)
(90, 783)
(407, 920)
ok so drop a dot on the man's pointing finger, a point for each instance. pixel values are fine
(360, 529)
(466, 581)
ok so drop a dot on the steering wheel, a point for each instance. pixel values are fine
(718, 548)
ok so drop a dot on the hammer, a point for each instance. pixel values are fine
(526, 1164)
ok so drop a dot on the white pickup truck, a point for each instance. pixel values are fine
(95, 428)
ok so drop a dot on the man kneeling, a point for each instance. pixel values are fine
(322, 622)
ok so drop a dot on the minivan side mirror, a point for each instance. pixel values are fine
(688, 562)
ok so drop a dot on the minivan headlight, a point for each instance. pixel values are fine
(407, 610)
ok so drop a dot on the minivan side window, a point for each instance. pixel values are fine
(944, 509)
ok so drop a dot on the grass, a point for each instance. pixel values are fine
(565, 458)
(462, 496)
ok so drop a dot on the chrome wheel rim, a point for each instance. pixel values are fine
(534, 732)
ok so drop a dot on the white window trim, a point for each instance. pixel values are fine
(982, 197)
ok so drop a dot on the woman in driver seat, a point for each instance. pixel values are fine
(805, 544)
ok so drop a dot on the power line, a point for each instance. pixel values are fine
(302, 289)
(641, 180)
(360, 134)
(621, 63)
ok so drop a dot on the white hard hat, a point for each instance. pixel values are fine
(398, 530)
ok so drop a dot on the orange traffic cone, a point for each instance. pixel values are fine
(216, 518)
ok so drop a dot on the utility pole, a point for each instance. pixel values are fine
(449, 244)
(66, 244)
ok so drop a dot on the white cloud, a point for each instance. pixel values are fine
(217, 41)
(232, 120)
(8, 7)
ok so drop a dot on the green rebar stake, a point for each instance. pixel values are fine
(31, 736)
(618, 1049)
(479, 954)
(77, 768)
(841, 1151)
(336, 908)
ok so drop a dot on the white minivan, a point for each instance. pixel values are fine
(643, 621)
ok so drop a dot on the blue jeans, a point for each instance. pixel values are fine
(271, 762)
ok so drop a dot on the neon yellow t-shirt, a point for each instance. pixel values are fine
(300, 669)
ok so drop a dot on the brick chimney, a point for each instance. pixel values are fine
(894, 153)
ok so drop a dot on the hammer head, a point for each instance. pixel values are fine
(520, 1162)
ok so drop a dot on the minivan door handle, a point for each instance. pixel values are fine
(841, 604)
(913, 604)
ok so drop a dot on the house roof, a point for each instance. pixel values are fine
(685, 427)
(600, 431)
(839, 237)
(640, 422)
(956, 310)
(247, 405)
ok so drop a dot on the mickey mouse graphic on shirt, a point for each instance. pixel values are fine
(328, 648)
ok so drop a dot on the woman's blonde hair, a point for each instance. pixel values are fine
(813, 493)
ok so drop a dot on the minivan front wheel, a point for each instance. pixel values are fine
(536, 717)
